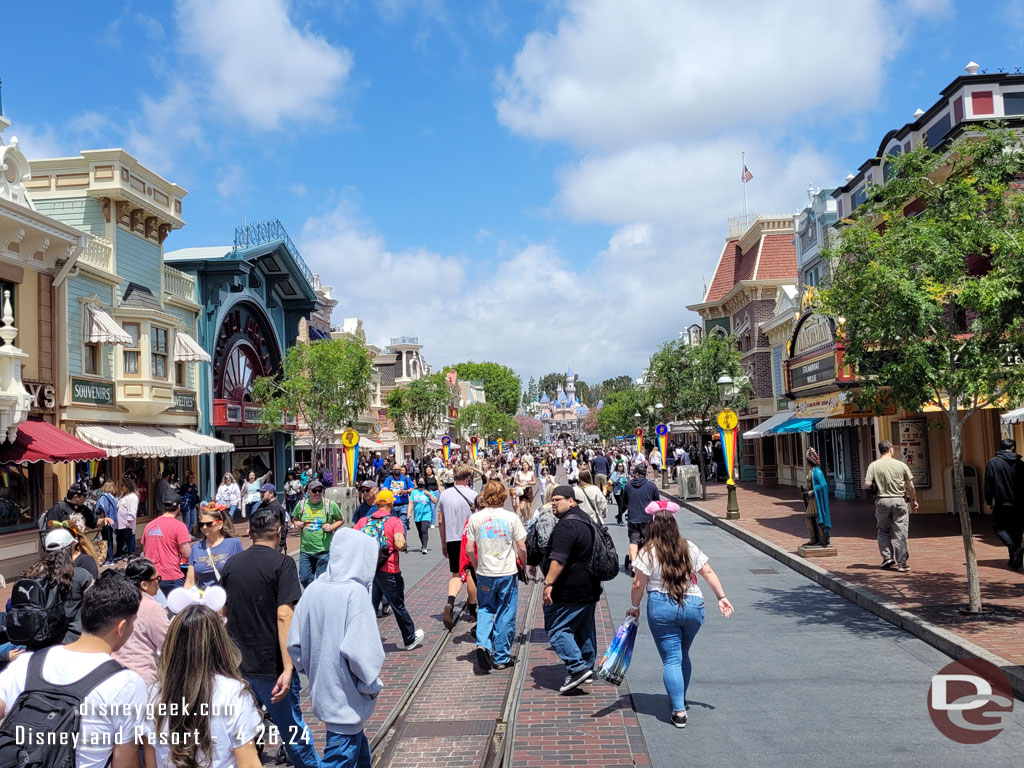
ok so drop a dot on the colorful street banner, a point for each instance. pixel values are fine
(662, 431)
(446, 447)
(499, 445)
(728, 437)
(472, 448)
(639, 434)
(350, 446)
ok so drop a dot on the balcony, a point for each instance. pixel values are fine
(98, 253)
(179, 284)
(396, 340)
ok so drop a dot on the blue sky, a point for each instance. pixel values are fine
(538, 183)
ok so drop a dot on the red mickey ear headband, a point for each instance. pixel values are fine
(661, 505)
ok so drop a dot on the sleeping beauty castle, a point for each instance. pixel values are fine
(563, 416)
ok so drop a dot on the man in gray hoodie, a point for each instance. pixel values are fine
(335, 642)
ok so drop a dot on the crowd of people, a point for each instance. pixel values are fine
(195, 616)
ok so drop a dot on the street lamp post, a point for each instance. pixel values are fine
(727, 392)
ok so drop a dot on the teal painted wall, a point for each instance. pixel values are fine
(189, 319)
(138, 260)
(84, 213)
(80, 286)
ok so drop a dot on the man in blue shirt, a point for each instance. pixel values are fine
(400, 485)
(367, 499)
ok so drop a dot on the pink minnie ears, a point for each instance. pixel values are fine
(661, 505)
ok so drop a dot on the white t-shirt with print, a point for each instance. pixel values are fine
(495, 532)
(234, 722)
(122, 695)
(647, 563)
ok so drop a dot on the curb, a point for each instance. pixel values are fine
(950, 644)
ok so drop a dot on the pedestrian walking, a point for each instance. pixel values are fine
(495, 539)
(591, 498)
(229, 494)
(367, 499)
(318, 518)
(268, 500)
(127, 515)
(1004, 495)
(167, 542)
(388, 583)
(570, 591)
(400, 485)
(141, 652)
(262, 587)
(209, 555)
(666, 569)
(619, 479)
(334, 640)
(639, 492)
(454, 507)
(895, 499)
(422, 502)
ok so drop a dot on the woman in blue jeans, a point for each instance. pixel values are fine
(667, 567)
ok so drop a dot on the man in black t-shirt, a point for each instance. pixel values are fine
(570, 591)
(263, 587)
(639, 492)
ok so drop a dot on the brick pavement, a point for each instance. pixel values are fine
(938, 579)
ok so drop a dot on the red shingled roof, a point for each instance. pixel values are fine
(774, 258)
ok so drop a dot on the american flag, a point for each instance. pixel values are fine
(747, 175)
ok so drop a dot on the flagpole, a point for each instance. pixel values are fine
(743, 171)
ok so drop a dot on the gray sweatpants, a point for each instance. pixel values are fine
(892, 517)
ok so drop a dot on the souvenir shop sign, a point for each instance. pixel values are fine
(44, 396)
(89, 392)
(184, 401)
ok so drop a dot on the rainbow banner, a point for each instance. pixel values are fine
(662, 432)
(639, 443)
(604, 444)
(728, 438)
(472, 449)
(499, 445)
(446, 447)
(350, 446)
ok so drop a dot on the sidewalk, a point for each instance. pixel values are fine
(935, 587)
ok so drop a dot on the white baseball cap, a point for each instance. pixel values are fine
(58, 538)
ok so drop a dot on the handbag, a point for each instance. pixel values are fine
(616, 659)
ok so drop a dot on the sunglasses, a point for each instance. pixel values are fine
(316, 493)
(207, 525)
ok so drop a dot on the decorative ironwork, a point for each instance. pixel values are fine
(268, 231)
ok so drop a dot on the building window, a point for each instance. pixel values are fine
(21, 487)
(1013, 103)
(92, 359)
(179, 374)
(131, 351)
(937, 132)
(158, 342)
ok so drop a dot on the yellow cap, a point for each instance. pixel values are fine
(385, 496)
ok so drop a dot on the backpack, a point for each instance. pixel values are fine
(375, 527)
(45, 708)
(535, 553)
(604, 560)
(37, 618)
(327, 478)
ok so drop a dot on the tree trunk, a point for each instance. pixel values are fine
(960, 498)
(703, 469)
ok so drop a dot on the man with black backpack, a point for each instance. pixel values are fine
(572, 589)
(74, 702)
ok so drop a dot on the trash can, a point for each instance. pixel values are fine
(688, 478)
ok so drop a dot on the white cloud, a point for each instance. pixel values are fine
(298, 189)
(166, 127)
(262, 66)
(616, 73)
(233, 181)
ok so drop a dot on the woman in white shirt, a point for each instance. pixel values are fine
(127, 514)
(200, 692)
(667, 567)
(523, 481)
(229, 494)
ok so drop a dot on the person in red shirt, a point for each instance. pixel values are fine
(389, 531)
(166, 541)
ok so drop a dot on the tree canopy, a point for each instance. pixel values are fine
(419, 410)
(489, 421)
(927, 286)
(616, 418)
(502, 385)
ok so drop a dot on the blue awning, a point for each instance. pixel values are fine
(795, 425)
(315, 334)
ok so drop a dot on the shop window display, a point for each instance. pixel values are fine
(20, 491)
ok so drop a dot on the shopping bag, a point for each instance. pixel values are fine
(616, 659)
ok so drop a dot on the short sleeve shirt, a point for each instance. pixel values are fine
(453, 506)
(571, 543)
(201, 555)
(647, 563)
(314, 539)
(891, 475)
(257, 581)
(161, 541)
(392, 526)
(495, 533)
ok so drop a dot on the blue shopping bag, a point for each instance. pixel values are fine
(616, 659)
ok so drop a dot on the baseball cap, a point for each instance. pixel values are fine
(268, 488)
(58, 538)
(315, 485)
(172, 500)
(367, 485)
(78, 489)
(384, 496)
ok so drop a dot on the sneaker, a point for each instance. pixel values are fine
(483, 658)
(679, 720)
(386, 610)
(887, 565)
(571, 681)
(423, 551)
(903, 568)
(417, 640)
(505, 664)
(448, 616)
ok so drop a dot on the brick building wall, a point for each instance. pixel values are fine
(758, 363)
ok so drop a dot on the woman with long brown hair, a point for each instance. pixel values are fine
(207, 557)
(200, 692)
(56, 571)
(667, 567)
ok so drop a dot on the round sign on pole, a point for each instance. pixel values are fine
(350, 438)
(638, 432)
(728, 419)
(377, 427)
(662, 430)
(446, 440)
(474, 440)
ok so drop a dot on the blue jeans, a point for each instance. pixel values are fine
(188, 517)
(287, 716)
(391, 586)
(311, 565)
(402, 513)
(497, 597)
(572, 632)
(167, 585)
(673, 627)
(346, 751)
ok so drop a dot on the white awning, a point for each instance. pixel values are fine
(839, 423)
(765, 427)
(187, 349)
(205, 442)
(367, 444)
(1013, 417)
(149, 442)
(101, 328)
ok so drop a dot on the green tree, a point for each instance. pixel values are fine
(550, 382)
(585, 393)
(326, 384)
(616, 384)
(930, 298)
(532, 391)
(490, 422)
(618, 416)
(419, 411)
(502, 386)
(684, 379)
